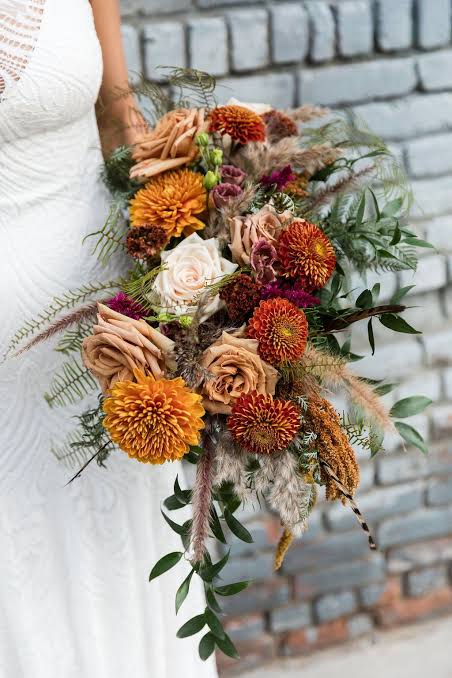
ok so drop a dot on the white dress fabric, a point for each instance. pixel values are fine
(75, 601)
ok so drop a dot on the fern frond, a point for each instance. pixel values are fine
(72, 384)
(192, 87)
(61, 303)
(71, 341)
(141, 288)
(110, 238)
(115, 173)
(86, 440)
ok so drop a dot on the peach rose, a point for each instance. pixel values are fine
(236, 368)
(169, 145)
(120, 344)
(247, 230)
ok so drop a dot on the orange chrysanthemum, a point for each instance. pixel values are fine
(306, 253)
(242, 124)
(171, 201)
(153, 421)
(263, 425)
(281, 330)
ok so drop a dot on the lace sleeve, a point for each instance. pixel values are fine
(20, 21)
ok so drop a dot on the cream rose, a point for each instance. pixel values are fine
(248, 230)
(120, 344)
(236, 368)
(260, 109)
(190, 267)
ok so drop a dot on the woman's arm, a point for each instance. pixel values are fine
(120, 121)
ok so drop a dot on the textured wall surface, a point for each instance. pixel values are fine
(391, 60)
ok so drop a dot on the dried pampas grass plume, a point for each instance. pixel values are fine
(306, 113)
(284, 545)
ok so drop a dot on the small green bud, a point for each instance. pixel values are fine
(202, 139)
(210, 180)
(165, 317)
(216, 156)
(185, 320)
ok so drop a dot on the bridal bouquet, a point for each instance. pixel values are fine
(229, 335)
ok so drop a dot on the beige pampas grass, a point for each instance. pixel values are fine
(306, 113)
(290, 496)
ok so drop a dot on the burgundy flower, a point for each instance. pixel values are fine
(121, 303)
(232, 175)
(279, 178)
(263, 257)
(291, 291)
(223, 193)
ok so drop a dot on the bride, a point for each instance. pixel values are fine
(74, 597)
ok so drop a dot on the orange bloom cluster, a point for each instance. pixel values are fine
(153, 421)
(279, 125)
(281, 329)
(306, 253)
(263, 425)
(171, 201)
(242, 124)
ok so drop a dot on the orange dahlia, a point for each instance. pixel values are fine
(153, 421)
(281, 330)
(170, 201)
(306, 253)
(242, 124)
(263, 425)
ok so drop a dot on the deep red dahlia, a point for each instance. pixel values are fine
(240, 123)
(281, 330)
(306, 254)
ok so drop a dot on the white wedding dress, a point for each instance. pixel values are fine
(75, 601)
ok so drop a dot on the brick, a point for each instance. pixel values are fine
(340, 577)
(439, 348)
(245, 628)
(433, 197)
(308, 640)
(447, 379)
(290, 33)
(248, 54)
(208, 4)
(360, 625)
(430, 157)
(258, 598)
(424, 524)
(208, 44)
(437, 232)
(398, 468)
(256, 568)
(131, 42)
(276, 89)
(153, 7)
(394, 24)
(377, 505)
(440, 458)
(355, 28)
(337, 548)
(433, 23)
(408, 118)
(164, 44)
(335, 605)
(420, 555)
(431, 274)
(387, 280)
(352, 83)
(290, 617)
(414, 609)
(441, 420)
(393, 361)
(427, 383)
(420, 583)
(253, 653)
(323, 32)
(370, 595)
(435, 70)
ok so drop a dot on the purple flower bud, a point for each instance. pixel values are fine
(223, 193)
(232, 175)
(291, 291)
(279, 178)
(121, 303)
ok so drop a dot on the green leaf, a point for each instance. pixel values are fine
(385, 388)
(396, 237)
(214, 623)
(417, 242)
(186, 534)
(182, 591)
(227, 646)
(209, 572)
(211, 600)
(206, 646)
(215, 526)
(361, 210)
(179, 529)
(392, 208)
(165, 564)
(365, 299)
(411, 436)
(397, 324)
(376, 441)
(370, 334)
(191, 627)
(408, 407)
(375, 292)
(182, 495)
(232, 589)
(172, 503)
(402, 292)
(237, 528)
(376, 205)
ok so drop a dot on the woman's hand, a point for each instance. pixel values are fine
(119, 118)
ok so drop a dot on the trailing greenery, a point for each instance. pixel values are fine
(73, 383)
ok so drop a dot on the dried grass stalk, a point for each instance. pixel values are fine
(202, 500)
(306, 113)
(290, 496)
(282, 548)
